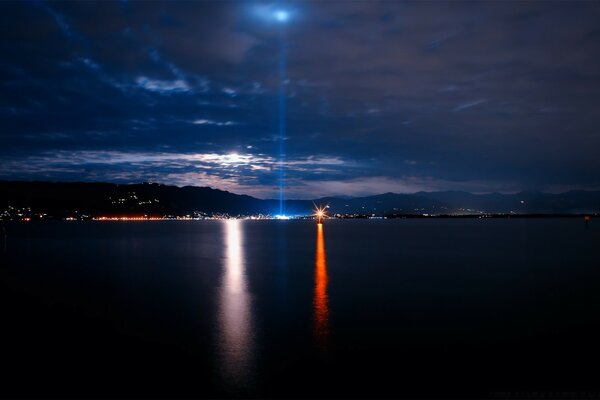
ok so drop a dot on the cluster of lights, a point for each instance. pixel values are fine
(186, 218)
(128, 219)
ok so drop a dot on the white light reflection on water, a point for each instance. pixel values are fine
(235, 313)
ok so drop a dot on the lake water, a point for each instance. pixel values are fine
(356, 308)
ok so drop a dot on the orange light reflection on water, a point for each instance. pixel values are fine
(321, 298)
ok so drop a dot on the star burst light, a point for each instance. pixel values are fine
(320, 213)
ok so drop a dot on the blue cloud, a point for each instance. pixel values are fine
(474, 96)
(163, 86)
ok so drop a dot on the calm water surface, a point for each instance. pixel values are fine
(391, 308)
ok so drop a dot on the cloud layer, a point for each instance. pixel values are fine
(381, 96)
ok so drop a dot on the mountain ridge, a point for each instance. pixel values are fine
(101, 198)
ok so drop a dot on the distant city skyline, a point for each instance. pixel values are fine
(381, 96)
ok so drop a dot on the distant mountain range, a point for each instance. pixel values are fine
(60, 199)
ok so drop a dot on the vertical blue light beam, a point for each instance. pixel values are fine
(282, 126)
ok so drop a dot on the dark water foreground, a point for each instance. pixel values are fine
(404, 308)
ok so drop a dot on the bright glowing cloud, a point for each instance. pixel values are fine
(162, 87)
(211, 122)
(242, 173)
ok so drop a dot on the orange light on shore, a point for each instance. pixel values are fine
(320, 214)
(128, 219)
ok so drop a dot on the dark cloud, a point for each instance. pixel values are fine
(381, 96)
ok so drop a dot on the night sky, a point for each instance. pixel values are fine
(381, 96)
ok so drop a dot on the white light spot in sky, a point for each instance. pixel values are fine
(281, 15)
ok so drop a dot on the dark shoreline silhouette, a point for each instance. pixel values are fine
(80, 200)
